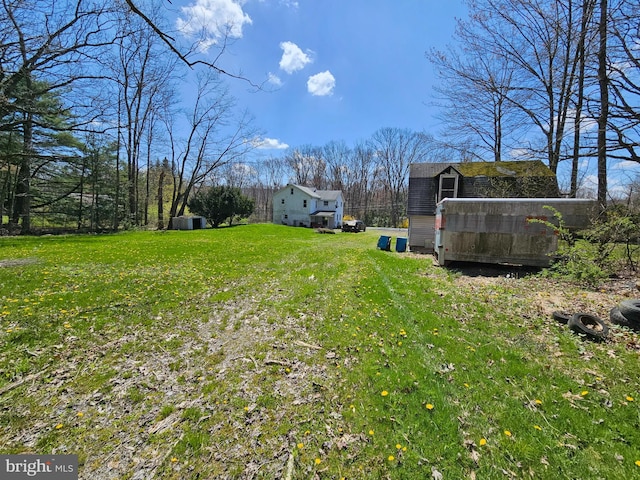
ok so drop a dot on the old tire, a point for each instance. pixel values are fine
(589, 325)
(618, 318)
(630, 309)
(562, 317)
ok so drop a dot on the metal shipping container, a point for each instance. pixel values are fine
(499, 230)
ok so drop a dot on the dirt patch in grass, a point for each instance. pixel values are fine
(17, 262)
(149, 403)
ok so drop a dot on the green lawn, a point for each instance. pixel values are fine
(265, 351)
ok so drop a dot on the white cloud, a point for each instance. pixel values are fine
(626, 165)
(269, 144)
(321, 84)
(293, 58)
(273, 79)
(212, 20)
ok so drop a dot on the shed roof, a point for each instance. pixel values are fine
(519, 168)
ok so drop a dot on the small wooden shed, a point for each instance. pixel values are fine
(188, 223)
(429, 183)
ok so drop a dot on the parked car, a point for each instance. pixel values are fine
(354, 226)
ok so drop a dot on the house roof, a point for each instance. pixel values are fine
(320, 194)
(520, 168)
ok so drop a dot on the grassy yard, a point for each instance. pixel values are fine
(265, 351)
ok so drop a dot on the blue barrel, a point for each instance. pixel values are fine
(401, 244)
(384, 243)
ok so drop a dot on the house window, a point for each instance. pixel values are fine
(326, 203)
(292, 191)
(304, 203)
(448, 187)
(282, 201)
(286, 217)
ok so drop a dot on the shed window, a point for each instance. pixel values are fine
(282, 201)
(448, 187)
(292, 191)
(304, 203)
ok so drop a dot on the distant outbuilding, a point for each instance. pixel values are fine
(188, 223)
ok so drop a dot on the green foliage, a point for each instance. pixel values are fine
(220, 203)
(619, 228)
(576, 258)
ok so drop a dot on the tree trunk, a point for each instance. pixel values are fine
(604, 106)
(161, 200)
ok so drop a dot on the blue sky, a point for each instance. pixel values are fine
(333, 69)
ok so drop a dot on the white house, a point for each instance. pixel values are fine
(303, 206)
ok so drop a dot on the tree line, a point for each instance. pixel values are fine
(94, 134)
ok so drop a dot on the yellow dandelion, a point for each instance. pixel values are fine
(483, 442)
(391, 458)
(629, 398)
(507, 433)
(398, 446)
(174, 459)
(318, 461)
(584, 393)
(307, 432)
(404, 449)
(371, 432)
(538, 402)
(537, 427)
(301, 445)
(466, 385)
(384, 393)
(428, 406)
(58, 426)
(80, 414)
(638, 463)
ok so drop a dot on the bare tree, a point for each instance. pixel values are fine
(604, 104)
(623, 67)
(395, 150)
(307, 166)
(213, 139)
(360, 181)
(474, 94)
(144, 79)
(540, 38)
(338, 157)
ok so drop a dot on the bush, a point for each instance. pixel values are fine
(221, 203)
(595, 253)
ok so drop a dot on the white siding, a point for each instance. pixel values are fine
(421, 233)
(293, 207)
